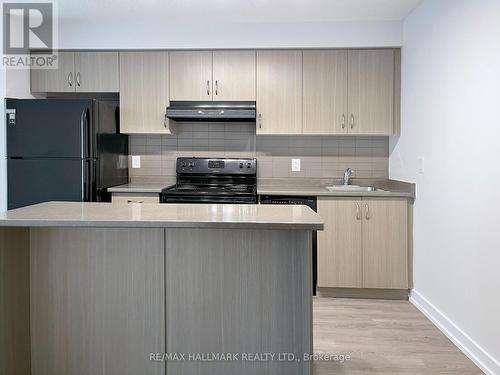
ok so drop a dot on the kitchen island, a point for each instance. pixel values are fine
(99, 288)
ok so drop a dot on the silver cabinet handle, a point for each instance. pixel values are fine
(260, 121)
(352, 121)
(343, 120)
(358, 216)
(131, 201)
(208, 87)
(78, 79)
(165, 119)
(367, 215)
(70, 79)
(216, 88)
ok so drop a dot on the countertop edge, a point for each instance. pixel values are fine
(134, 190)
(374, 194)
(138, 188)
(159, 224)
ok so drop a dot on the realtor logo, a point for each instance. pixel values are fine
(29, 27)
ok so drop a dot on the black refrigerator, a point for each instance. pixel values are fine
(63, 150)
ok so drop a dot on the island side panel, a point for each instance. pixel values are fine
(238, 291)
(14, 301)
(97, 300)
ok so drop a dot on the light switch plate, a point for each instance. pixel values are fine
(295, 165)
(136, 161)
(421, 165)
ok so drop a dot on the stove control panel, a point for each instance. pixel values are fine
(222, 166)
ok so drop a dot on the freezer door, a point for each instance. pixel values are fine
(49, 128)
(31, 181)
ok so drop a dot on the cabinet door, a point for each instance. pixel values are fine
(234, 75)
(325, 92)
(279, 92)
(97, 300)
(61, 79)
(144, 92)
(339, 244)
(385, 244)
(97, 72)
(191, 75)
(371, 92)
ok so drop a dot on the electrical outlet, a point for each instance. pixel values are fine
(421, 165)
(295, 165)
(136, 161)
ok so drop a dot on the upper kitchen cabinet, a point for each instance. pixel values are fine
(371, 92)
(144, 92)
(79, 72)
(61, 79)
(217, 75)
(96, 72)
(351, 92)
(234, 75)
(279, 92)
(325, 92)
(191, 75)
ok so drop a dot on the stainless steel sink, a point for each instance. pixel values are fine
(352, 188)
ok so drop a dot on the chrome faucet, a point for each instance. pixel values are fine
(347, 175)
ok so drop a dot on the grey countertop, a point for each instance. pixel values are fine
(296, 187)
(136, 215)
(142, 187)
(316, 187)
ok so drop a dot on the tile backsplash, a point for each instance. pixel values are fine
(321, 156)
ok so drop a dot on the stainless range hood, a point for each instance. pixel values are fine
(211, 111)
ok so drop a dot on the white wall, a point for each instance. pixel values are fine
(165, 32)
(451, 117)
(3, 153)
(17, 84)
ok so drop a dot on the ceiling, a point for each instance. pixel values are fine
(235, 10)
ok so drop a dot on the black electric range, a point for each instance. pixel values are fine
(213, 180)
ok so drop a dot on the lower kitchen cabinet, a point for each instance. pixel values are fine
(364, 244)
(339, 244)
(385, 244)
(135, 198)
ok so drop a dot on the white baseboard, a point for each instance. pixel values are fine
(465, 343)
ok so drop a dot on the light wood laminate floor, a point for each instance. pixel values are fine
(382, 337)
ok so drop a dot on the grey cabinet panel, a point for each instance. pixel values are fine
(97, 301)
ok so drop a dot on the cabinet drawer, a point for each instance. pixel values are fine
(135, 198)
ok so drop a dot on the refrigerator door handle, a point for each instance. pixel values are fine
(88, 180)
(85, 134)
(84, 162)
(91, 137)
(82, 133)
